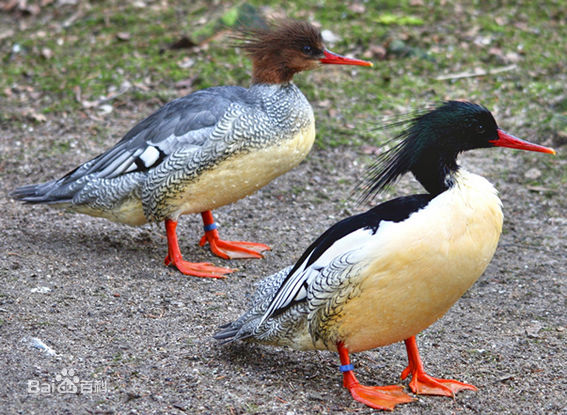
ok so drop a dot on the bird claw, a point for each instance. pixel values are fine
(423, 384)
(380, 397)
(233, 249)
(198, 269)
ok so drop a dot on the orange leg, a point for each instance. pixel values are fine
(228, 249)
(378, 397)
(421, 382)
(174, 257)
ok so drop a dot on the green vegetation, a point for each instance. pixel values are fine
(106, 45)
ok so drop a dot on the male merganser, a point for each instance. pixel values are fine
(385, 275)
(205, 150)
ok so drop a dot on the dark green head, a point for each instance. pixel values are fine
(431, 143)
(451, 128)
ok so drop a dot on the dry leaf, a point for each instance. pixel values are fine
(10, 5)
(33, 115)
(4, 34)
(187, 62)
(123, 36)
(330, 37)
(375, 52)
(105, 109)
(367, 149)
(46, 53)
(185, 83)
(533, 173)
(357, 8)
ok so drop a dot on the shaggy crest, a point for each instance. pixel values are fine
(421, 146)
(281, 50)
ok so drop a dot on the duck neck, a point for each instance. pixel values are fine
(269, 70)
(436, 174)
(269, 80)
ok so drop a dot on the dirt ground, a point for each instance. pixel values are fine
(91, 321)
(132, 336)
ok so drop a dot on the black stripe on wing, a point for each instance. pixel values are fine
(396, 210)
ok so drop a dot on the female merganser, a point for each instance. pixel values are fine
(385, 275)
(205, 150)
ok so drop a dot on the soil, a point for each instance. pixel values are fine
(133, 336)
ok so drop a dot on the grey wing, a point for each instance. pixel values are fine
(183, 123)
(304, 321)
(324, 296)
(330, 291)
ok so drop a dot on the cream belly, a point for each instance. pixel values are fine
(129, 212)
(243, 174)
(226, 183)
(422, 266)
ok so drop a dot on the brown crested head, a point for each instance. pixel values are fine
(282, 50)
(285, 48)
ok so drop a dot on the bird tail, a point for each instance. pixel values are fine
(240, 329)
(228, 333)
(248, 325)
(60, 191)
(52, 192)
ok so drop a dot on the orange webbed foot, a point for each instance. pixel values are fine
(198, 269)
(423, 384)
(228, 249)
(377, 397)
(174, 257)
(233, 249)
(380, 397)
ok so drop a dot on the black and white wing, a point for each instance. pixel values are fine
(322, 268)
(340, 247)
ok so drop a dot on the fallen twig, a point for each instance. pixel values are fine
(476, 72)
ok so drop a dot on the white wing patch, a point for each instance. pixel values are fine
(149, 156)
(350, 242)
(126, 163)
(301, 294)
(294, 287)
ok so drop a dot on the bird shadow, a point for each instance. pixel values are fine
(109, 239)
(269, 360)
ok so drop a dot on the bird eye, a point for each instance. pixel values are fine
(308, 50)
(480, 129)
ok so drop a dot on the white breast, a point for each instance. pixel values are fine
(418, 268)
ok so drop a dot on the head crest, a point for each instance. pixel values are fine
(390, 164)
(257, 42)
(281, 50)
(428, 145)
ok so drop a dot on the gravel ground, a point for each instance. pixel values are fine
(133, 336)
